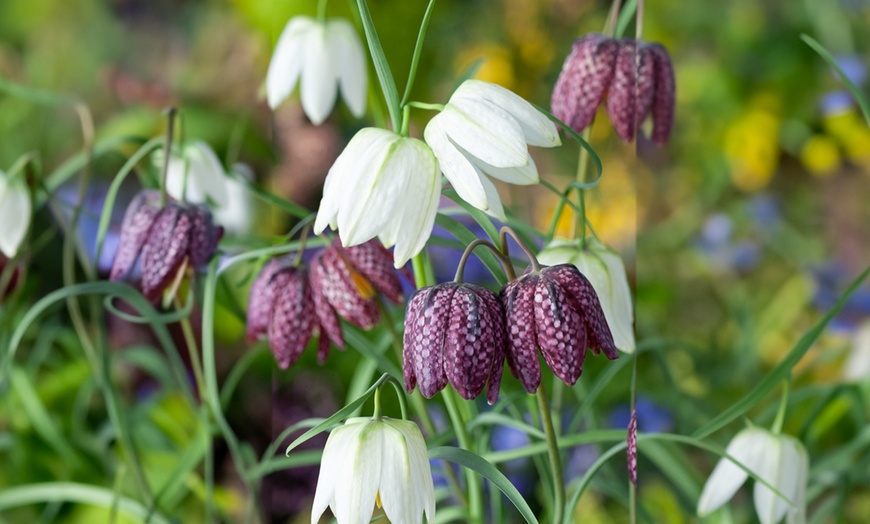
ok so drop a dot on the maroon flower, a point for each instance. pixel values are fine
(161, 241)
(454, 333)
(631, 445)
(584, 80)
(664, 96)
(282, 308)
(347, 280)
(554, 309)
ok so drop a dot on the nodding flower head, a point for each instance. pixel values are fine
(454, 333)
(161, 241)
(347, 281)
(554, 309)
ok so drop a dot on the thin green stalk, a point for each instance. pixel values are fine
(376, 414)
(553, 454)
(167, 151)
(382, 68)
(321, 10)
(418, 50)
(582, 170)
(783, 405)
(475, 493)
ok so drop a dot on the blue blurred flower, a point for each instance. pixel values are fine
(715, 242)
(831, 281)
(651, 417)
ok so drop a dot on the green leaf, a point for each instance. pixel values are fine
(39, 416)
(596, 160)
(625, 17)
(859, 97)
(465, 236)
(288, 207)
(781, 371)
(388, 85)
(477, 463)
(479, 216)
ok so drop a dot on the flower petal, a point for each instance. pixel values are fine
(287, 60)
(521, 175)
(784, 467)
(499, 334)
(415, 215)
(138, 219)
(356, 491)
(374, 261)
(204, 237)
(15, 213)
(486, 131)
(399, 501)
(537, 129)
(419, 489)
(425, 330)
(319, 86)
(518, 296)
(665, 95)
(346, 51)
(292, 321)
(621, 101)
(559, 331)
(340, 448)
(206, 173)
(586, 75)
(339, 287)
(748, 448)
(165, 249)
(260, 300)
(459, 170)
(469, 345)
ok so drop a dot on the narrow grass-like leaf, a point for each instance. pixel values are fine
(388, 85)
(625, 17)
(778, 373)
(418, 50)
(39, 416)
(288, 207)
(479, 216)
(480, 465)
(596, 160)
(859, 97)
(464, 235)
(238, 370)
(375, 352)
(497, 419)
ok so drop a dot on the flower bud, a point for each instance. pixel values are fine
(454, 332)
(554, 309)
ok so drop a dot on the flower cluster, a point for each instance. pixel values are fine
(289, 303)
(634, 79)
(158, 243)
(460, 333)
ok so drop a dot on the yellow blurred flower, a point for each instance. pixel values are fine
(752, 149)
(851, 132)
(820, 155)
(497, 66)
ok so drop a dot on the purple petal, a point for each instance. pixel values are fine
(665, 95)
(645, 91)
(496, 312)
(586, 75)
(292, 321)
(518, 297)
(260, 300)
(344, 287)
(560, 332)
(330, 327)
(165, 249)
(204, 237)
(138, 219)
(376, 264)
(470, 344)
(621, 104)
(425, 331)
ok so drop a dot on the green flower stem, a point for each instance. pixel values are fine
(321, 10)
(406, 120)
(376, 414)
(610, 29)
(475, 493)
(553, 454)
(167, 151)
(783, 405)
(425, 105)
(418, 49)
(582, 170)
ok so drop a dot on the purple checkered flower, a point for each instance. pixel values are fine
(454, 332)
(557, 311)
(631, 445)
(584, 80)
(161, 241)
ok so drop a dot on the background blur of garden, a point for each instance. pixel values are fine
(738, 235)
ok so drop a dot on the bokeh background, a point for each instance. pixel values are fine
(738, 235)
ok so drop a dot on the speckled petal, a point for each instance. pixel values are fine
(425, 331)
(346, 290)
(138, 219)
(631, 445)
(499, 341)
(518, 297)
(165, 249)
(586, 75)
(621, 99)
(665, 95)
(330, 327)
(469, 346)
(559, 331)
(375, 263)
(260, 300)
(645, 90)
(292, 321)
(204, 237)
(585, 301)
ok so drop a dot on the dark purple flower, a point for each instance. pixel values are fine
(557, 311)
(347, 280)
(622, 97)
(664, 98)
(454, 332)
(584, 80)
(161, 241)
(632, 448)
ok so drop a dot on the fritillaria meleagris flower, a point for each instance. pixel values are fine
(15, 211)
(281, 307)
(161, 241)
(634, 79)
(454, 332)
(554, 309)
(347, 281)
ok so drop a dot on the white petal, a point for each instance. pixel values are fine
(538, 130)
(206, 174)
(319, 86)
(421, 473)
(346, 52)
(857, 365)
(396, 487)
(521, 175)
(493, 202)
(237, 215)
(798, 513)
(175, 175)
(333, 466)
(462, 174)
(355, 493)
(414, 216)
(15, 213)
(287, 60)
(486, 131)
(782, 467)
(747, 447)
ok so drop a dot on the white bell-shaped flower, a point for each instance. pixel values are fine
(486, 129)
(857, 367)
(370, 461)
(780, 460)
(606, 272)
(327, 56)
(15, 213)
(382, 185)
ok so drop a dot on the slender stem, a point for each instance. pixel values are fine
(303, 236)
(553, 454)
(377, 411)
(418, 50)
(638, 31)
(475, 495)
(582, 170)
(783, 405)
(613, 17)
(321, 10)
(426, 105)
(167, 150)
(533, 260)
(460, 268)
(406, 120)
(192, 351)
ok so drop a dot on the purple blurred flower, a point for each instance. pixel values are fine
(831, 281)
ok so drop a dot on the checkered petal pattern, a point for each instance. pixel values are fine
(425, 330)
(260, 301)
(621, 99)
(586, 75)
(346, 290)
(632, 447)
(330, 327)
(293, 320)
(496, 312)
(646, 78)
(138, 219)
(518, 297)
(165, 249)
(665, 94)
(375, 263)
(204, 237)
(559, 331)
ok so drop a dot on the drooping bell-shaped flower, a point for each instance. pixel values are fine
(370, 461)
(162, 241)
(347, 280)
(554, 310)
(15, 212)
(382, 185)
(857, 366)
(780, 460)
(326, 56)
(631, 447)
(486, 129)
(454, 333)
(606, 272)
